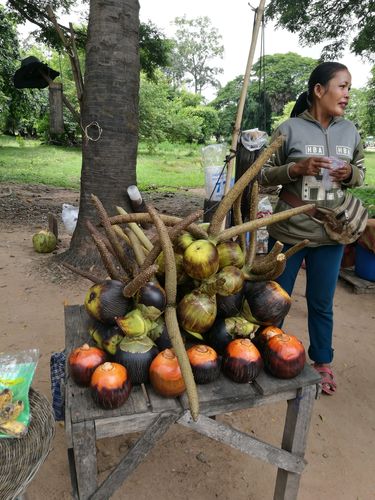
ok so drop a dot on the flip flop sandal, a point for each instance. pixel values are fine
(329, 385)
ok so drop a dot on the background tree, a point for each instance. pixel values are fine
(197, 46)
(357, 109)
(169, 114)
(286, 77)
(109, 108)
(335, 22)
(278, 119)
(369, 115)
(17, 108)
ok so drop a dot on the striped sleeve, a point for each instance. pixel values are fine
(358, 168)
(275, 171)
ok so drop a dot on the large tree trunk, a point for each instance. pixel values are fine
(110, 101)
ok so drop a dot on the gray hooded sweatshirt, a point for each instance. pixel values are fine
(305, 137)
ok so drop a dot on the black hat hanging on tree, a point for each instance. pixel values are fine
(30, 74)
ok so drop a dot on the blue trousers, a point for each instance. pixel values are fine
(322, 272)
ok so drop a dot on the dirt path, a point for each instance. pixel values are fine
(341, 442)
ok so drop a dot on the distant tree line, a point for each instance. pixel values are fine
(175, 73)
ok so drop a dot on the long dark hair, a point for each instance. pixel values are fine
(322, 74)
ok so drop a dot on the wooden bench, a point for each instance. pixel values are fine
(151, 414)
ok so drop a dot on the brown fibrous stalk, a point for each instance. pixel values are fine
(264, 264)
(136, 246)
(265, 221)
(137, 230)
(253, 211)
(273, 273)
(296, 248)
(169, 220)
(237, 218)
(126, 263)
(84, 274)
(110, 267)
(171, 316)
(139, 281)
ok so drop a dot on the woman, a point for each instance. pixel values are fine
(315, 132)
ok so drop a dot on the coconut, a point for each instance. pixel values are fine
(44, 241)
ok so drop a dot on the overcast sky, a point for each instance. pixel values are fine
(234, 21)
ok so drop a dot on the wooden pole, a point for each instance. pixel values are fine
(237, 126)
(64, 98)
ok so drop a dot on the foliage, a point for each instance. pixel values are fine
(369, 116)
(357, 109)
(278, 119)
(196, 47)
(154, 47)
(286, 77)
(154, 104)
(177, 116)
(330, 21)
(9, 53)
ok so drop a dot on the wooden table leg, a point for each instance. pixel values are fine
(84, 446)
(296, 429)
(135, 456)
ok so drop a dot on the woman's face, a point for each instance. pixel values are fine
(334, 97)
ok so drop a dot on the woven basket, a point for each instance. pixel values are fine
(21, 458)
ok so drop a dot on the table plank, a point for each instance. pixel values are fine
(267, 384)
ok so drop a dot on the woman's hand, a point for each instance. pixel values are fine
(310, 166)
(342, 173)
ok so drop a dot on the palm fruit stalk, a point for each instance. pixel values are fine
(265, 221)
(171, 316)
(253, 210)
(168, 220)
(126, 263)
(137, 231)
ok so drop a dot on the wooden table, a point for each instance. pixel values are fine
(153, 415)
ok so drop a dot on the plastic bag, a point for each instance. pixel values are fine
(16, 375)
(264, 210)
(253, 139)
(327, 181)
(69, 217)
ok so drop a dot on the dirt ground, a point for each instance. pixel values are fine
(185, 465)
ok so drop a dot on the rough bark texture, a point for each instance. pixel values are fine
(110, 100)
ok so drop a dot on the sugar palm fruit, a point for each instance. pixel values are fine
(105, 301)
(44, 241)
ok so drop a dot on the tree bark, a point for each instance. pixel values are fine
(109, 117)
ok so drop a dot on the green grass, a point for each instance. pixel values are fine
(30, 162)
(367, 192)
(169, 167)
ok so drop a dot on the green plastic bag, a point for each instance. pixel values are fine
(16, 374)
